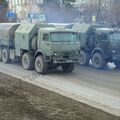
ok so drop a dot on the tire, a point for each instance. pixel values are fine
(0, 53)
(41, 66)
(117, 64)
(84, 58)
(27, 61)
(68, 67)
(98, 61)
(5, 55)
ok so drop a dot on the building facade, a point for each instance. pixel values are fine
(14, 3)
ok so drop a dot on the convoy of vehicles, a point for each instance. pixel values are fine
(45, 47)
(98, 43)
(41, 46)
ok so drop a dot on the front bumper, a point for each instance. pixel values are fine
(66, 59)
(116, 55)
(55, 61)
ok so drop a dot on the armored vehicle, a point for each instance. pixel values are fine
(39, 45)
(98, 43)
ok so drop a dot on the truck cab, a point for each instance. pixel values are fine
(58, 47)
(99, 44)
(39, 46)
(107, 43)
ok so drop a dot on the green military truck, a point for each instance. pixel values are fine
(39, 45)
(98, 43)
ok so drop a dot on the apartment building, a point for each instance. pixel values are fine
(14, 3)
(23, 7)
(81, 1)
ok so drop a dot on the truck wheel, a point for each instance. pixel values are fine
(117, 64)
(40, 66)
(0, 53)
(68, 67)
(98, 61)
(84, 58)
(27, 61)
(5, 55)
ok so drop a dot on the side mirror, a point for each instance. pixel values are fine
(45, 37)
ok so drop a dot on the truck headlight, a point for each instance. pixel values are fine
(55, 54)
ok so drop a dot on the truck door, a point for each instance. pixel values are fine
(46, 44)
(103, 42)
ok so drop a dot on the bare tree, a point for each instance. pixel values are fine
(3, 10)
(115, 11)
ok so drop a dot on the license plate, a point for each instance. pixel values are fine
(69, 60)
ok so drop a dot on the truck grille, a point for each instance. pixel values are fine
(116, 55)
(65, 57)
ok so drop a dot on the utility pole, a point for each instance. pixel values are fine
(99, 12)
(110, 10)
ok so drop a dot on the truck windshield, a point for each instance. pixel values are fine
(64, 37)
(114, 36)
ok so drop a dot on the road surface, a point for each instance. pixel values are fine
(98, 88)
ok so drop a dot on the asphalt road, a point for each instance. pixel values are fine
(107, 80)
(98, 88)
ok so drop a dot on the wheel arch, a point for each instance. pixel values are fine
(22, 51)
(39, 52)
(98, 50)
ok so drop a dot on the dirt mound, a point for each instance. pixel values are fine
(23, 101)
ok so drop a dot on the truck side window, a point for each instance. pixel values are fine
(103, 37)
(45, 37)
(98, 38)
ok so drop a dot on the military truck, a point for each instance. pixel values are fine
(39, 46)
(98, 43)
